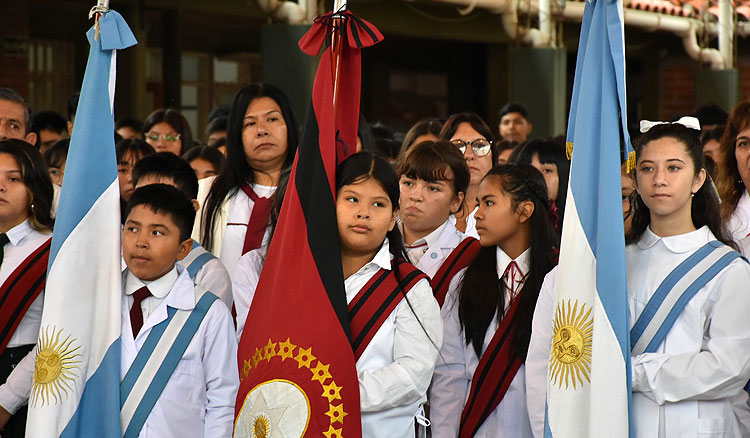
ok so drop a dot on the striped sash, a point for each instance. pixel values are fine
(458, 259)
(494, 373)
(196, 259)
(674, 293)
(20, 290)
(155, 363)
(377, 299)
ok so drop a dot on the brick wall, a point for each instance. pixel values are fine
(677, 87)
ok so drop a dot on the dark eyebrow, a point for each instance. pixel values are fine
(269, 112)
(489, 195)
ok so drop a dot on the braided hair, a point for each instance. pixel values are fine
(481, 294)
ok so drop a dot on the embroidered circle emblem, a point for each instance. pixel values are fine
(54, 368)
(273, 409)
(570, 358)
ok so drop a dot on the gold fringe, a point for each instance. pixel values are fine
(569, 149)
(630, 166)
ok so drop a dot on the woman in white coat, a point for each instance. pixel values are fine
(683, 383)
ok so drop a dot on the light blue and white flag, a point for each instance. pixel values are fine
(588, 388)
(76, 387)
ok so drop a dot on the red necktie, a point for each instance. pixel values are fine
(256, 226)
(136, 314)
(513, 272)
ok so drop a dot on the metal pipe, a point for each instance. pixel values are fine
(726, 32)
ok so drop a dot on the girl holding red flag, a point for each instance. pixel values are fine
(396, 355)
(262, 139)
(478, 386)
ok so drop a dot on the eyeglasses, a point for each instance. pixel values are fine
(480, 146)
(168, 137)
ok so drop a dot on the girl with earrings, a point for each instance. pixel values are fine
(25, 234)
(396, 364)
(687, 368)
(478, 386)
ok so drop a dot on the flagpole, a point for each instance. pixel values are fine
(102, 6)
(338, 6)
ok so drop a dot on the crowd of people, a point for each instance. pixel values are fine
(477, 216)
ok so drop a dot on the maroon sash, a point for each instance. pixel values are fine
(494, 373)
(21, 288)
(458, 259)
(377, 299)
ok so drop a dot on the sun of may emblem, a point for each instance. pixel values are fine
(54, 370)
(570, 358)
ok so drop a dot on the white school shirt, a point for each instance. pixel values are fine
(395, 369)
(471, 224)
(245, 281)
(230, 223)
(738, 224)
(23, 241)
(212, 276)
(440, 243)
(455, 370)
(702, 365)
(198, 401)
(537, 358)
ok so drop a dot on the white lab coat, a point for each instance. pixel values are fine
(739, 223)
(212, 276)
(687, 388)
(198, 401)
(455, 370)
(440, 249)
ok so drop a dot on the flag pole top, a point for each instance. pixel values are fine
(339, 5)
(102, 7)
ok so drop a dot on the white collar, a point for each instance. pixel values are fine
(503, 260)
(159, 288)
(680, 243)
(19, 232)
(382, 259)
(429, 239)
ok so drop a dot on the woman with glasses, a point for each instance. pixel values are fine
(166, 130)
(471, 135)
(262, 137)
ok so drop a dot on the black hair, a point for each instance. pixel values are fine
(504, 145)
(477, 123)
(705, 205)
(36, 178)
(219, 111)
(714, 133)
(216, 125)
(168, 165)
(174, 119)
(72, 105)
(136, 146)
(385, 142)
(50, 120)
(208, 153)
(12, 96)
(238, 171)
(481, 294)
(711, 114)
(422, 127)
(512, 107)
(129, 122)
(57, 154)
(364, 133)
(429, 161)
(168, 200)
(548, 151)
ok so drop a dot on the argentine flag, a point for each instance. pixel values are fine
(588, 385)
(76, 386)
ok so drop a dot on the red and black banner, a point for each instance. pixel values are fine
(20, 290)
(296, 363)
(458, 259)
(496, 369)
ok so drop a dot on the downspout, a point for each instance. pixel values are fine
(726, 33)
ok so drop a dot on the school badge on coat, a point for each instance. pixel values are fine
(282, 408)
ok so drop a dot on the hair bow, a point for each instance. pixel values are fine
(686, 121)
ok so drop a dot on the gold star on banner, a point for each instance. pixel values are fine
(257, 357)
(332, 433)
(269, 350)
(304, 357)
(246, 369)
(320, 373)
(332, 392)
(286, 350)
(336, 413)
